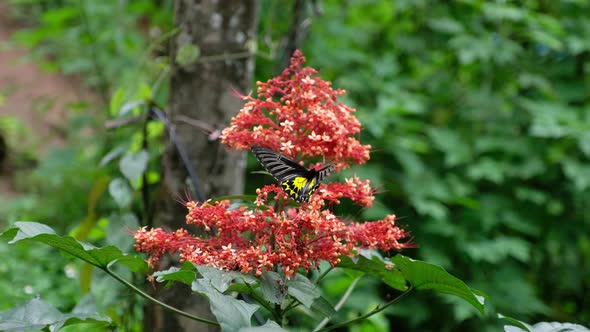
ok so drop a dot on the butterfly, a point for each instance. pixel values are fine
(297, 181)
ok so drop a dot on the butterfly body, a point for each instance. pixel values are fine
(297, 181)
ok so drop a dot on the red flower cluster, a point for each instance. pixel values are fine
(359, 192)
(253, 241)
(299, 115)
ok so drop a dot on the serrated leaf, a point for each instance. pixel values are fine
(132, 165)
(375, 267)
(271, 285)
(99, 257)
(423, 276)
(232, 314)
(221, 280)
(302, 289)
(37, 314)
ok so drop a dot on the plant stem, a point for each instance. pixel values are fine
(263, 303)
(317, 282)
(375, 311)
(292, 305)
(162, 304)
(165, 73)
(224, 57)
(340, 303)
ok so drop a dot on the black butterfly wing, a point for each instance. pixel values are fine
(297, 181)
(281, 167)
(325, 171)
(314, 181)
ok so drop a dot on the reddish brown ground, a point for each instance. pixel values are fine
(34, 99)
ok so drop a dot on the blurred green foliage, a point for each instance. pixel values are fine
(105, 42)
(106, 45)
(478, 113)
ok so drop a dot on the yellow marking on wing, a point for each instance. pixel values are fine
(289, 189)
(299, 182)
(311, 183)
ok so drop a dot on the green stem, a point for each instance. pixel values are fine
(162, 304)
(291, 305)
(340, 303)
(371, 313)
(165, 73)
(225, 57)
(319, 279)
(263, 303)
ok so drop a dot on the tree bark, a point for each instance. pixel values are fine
(202, 91)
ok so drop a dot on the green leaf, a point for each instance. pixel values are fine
(37, 314)
(322, 306)
(185, 274)
(521, 326)
(375, 267)
(428, 276)
(114, 153)
(118, 228)
(501, 12)
(445, 25)
(551, 327)
(59, 16)
(133, 165)
(498, 249)
(187, 54)
(221, 280)
(232, 314)
(99, 257)
(133, 263)
(456, 149)
(145, 91)
(117, 101)
(272, 285)
(241, 288)
(578, 172)
(269, 326)
(121, 192)
(130, 106)
(302, 289)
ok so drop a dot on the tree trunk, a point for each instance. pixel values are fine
(203, 92)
